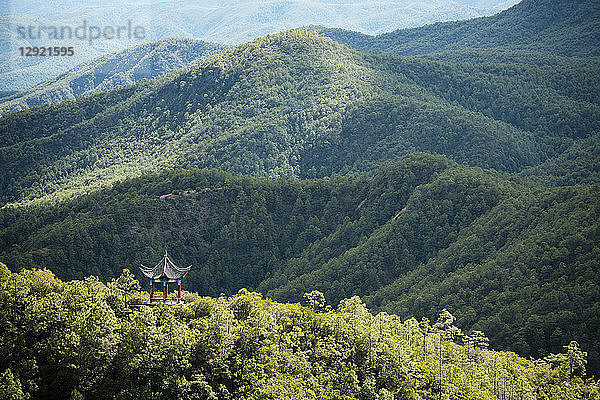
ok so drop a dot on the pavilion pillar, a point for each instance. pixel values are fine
(165, 290)
(151, 289)
(178, 290)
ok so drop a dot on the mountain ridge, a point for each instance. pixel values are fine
(330, 180)
(568, 28)
(402, 238)
(145, 61)
(226, 22)
(297, 104)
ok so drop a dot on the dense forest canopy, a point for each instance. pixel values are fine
(507, 256)
(79, 339)
(297, 104)
(447, 174)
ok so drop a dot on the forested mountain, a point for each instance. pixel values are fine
(79, 339)
(218, 21)
(463, 178)
(145, 61)
(568, 28)
(424, 233)
(299, 105)
(578, 164)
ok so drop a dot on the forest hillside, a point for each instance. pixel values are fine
(300, 105)
(82, 339)
(515, 259)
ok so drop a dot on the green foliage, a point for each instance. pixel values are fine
(577, 165)
(512, 255)
(315, 299)
(571, 362)
(420, 235)
(526, 273)
(11, 387)
(297, 104)
(68, 342)
(126, 283)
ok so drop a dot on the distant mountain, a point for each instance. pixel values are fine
(567, 28)
(237, 21)
(19, 72)
(70, 6)
(145, 61)
(297, 104)
(229, 22)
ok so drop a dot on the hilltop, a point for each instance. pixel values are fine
(297, 104)
(419, 235)
(227, 22)
(465, 178)
(248, 347)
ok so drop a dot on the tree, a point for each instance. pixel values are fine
(572, 362)
(479, 339)
(315, 299)
(424, 328)
(576, 359)
(445, 324)
(126, 283)
(11, 387)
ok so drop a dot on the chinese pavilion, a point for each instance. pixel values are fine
(164, 272)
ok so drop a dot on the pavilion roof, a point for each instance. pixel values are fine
(164, 269)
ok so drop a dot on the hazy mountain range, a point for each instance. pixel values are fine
(144, 61)
(571, 28)
(230, 22)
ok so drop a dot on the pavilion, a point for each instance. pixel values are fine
(165, 272)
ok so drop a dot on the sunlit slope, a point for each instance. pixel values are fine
(292, 104)
(421, 234)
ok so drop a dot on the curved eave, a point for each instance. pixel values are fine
(165, 269)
